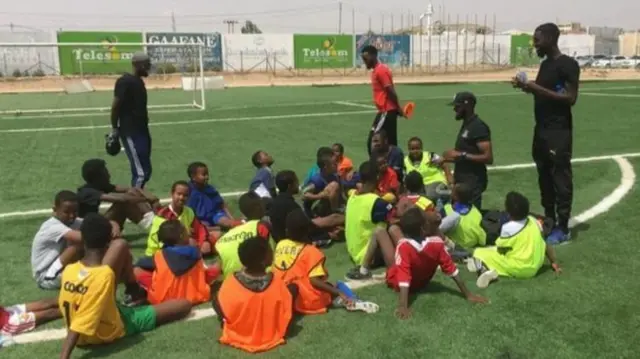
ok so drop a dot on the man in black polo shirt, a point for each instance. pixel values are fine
(555, 91)
(130, 119)
(473, 150)
(285, 203)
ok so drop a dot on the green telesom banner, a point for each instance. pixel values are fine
(109, 58)
(522, 51)
(323, 51)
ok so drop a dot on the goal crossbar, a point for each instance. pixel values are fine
(198, 85)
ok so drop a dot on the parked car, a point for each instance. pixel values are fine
(584, 61)
(632, 61)
(619, 61)
(603, 62)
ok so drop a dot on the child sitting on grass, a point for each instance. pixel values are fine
(177, 270)
(388, 186)
(323, 194)
(413, 263)
(434, 171)
(177, 209)
(255, 308)
(263, 183)
(519, 251)
(463, 221)
(134, 204)
(206, 201)
(345, 165)
(414, 186)
(58, 242)
(252, 207)
(22, 318)
(297, 261)
(88, 296)
(315, 169)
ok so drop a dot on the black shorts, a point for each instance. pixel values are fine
(387, 121)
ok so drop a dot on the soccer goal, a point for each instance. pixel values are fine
(78, 78)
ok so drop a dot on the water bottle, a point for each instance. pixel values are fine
(439, 205)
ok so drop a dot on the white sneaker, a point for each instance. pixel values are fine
(367, 307)
(472, 265)
(486, 278)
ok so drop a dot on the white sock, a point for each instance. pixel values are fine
(54, 269)
(363, 270)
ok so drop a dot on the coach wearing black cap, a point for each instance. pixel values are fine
(473, 150)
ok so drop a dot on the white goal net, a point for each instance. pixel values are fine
(79, 77)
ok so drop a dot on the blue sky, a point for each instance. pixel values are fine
(312, 16)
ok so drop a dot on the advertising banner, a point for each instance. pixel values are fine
(393, 50)
(110, 58)
(323, 51)
(184, 58)
(258, 52)
(522, 51)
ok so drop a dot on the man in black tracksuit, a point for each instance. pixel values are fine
(555, 91)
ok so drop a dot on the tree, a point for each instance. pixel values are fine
(250, 28)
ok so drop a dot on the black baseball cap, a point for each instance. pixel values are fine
(463, 98)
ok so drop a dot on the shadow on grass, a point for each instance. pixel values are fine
(433, 288)
(107, 350)
(577, 230)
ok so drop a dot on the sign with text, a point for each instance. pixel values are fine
(111, 57)
(258, 52)
(184, 58)
(323, 51)
(393, 50)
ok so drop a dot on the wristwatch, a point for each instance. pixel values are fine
(463, 156)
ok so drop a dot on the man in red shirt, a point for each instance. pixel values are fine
(384, 96)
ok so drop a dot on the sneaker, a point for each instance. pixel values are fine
(473, 265)
(6, 341)
(134, 298)
(362, 306)
(322, 243)
(557, 236)
(355, 274)
(486, 278)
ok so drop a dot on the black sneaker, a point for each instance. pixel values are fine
(134, 297)
(355, 274)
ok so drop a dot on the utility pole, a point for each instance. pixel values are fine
(231, 26)
(340, 17)
(173, 21)
(353, 21)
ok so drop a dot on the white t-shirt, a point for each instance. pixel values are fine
(48, 244)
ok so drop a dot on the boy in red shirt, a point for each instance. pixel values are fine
(414, 262)
(388, 183)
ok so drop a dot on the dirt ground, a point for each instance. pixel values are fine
(308, 78)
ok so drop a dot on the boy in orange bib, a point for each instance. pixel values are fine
(255, 307)
(177, 271)
(297, 261)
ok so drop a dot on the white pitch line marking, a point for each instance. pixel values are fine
(627, 182)
(62, 115)
(600, 94)
(37, 212)
(353, 104)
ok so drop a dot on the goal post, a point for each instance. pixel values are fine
(88, 71)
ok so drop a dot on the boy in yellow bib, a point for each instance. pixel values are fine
(87, 298)
(462, 221)
(519, 251)
(252, 207)
(434, 171)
